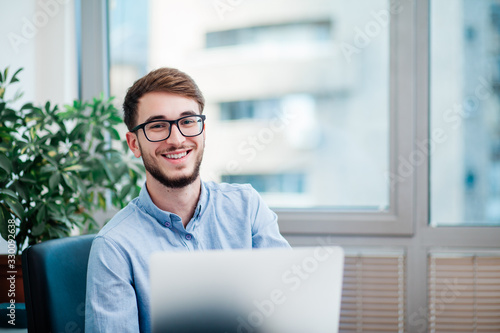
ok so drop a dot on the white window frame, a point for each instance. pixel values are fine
(92, 40)
(399, 219)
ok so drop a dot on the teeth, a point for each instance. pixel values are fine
(176, 156)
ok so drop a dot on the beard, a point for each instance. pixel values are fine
(171, 182)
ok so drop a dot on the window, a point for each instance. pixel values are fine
(128, 45)
(465, 122)
(277, 183)
(294, 79)
(253, 109)
(278, 33)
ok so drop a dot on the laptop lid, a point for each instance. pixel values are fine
(247, 291)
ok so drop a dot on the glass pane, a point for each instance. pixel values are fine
(297, 91)
(465, 113)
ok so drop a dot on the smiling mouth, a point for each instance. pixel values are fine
(176, 156)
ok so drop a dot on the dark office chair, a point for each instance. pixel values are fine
(55, 275)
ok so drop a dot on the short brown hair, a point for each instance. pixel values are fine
(164, 79)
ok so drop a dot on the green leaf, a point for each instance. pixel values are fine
(76, 167)
(9, 192)
(101, 147)
(114, 133)
(105, 116)
(5, 73)
(125, 190)
(9, 115)
(81, 186)
(96, 132)
(112, 151)
(3, 224)
(27, 106)
(5, 163)
(107, 170)
(32, 133)
(16, 207)
(28, 180)
(1, 77)
(70, 181)
(57, 232)
(39, 227)
(14, 77)
(42, 212)
(56, 209)
(49, 168)
(54, 180)
(115, 119)
(50, 160)
(66, 114)
(78, 133)
(47, 107)
(22, 191)
(102, 200)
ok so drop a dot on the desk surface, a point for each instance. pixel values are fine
(13, 330)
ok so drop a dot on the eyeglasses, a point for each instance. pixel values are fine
(159, 130)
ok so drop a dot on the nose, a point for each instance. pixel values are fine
(176, 137)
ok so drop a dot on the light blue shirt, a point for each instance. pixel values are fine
(227, 216)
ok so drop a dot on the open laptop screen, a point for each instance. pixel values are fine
(247, 291)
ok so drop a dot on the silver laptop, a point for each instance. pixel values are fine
(247, 291)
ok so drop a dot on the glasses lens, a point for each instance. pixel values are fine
(157, 131)
(191, 126)
(160, 130)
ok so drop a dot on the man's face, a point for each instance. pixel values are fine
(174, 162)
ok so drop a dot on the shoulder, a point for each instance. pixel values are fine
(233, 193)
(122, 222)
(234, 199)
(222, 188)
(117, 235)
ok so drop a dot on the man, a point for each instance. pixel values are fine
(175, 210)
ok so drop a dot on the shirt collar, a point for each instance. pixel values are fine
(167, 218)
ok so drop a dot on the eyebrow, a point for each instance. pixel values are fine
(162, 117)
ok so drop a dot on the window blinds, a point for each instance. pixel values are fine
(464, 293)
(373, 296)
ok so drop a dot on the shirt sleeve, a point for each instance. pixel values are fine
(111, 302)
(265, 230)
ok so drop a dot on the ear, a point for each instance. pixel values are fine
(133, 144)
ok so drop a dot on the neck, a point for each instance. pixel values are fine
(180, 201)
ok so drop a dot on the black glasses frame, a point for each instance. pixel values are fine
(171, 122)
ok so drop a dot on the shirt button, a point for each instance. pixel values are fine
(189, 236)
(168, 224)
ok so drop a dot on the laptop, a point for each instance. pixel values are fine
(247, 291)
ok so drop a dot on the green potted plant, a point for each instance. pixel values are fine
(58, 166)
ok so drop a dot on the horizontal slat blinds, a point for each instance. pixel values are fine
(464, 293)
(373, 295)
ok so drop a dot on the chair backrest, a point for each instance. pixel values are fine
(55, 276)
